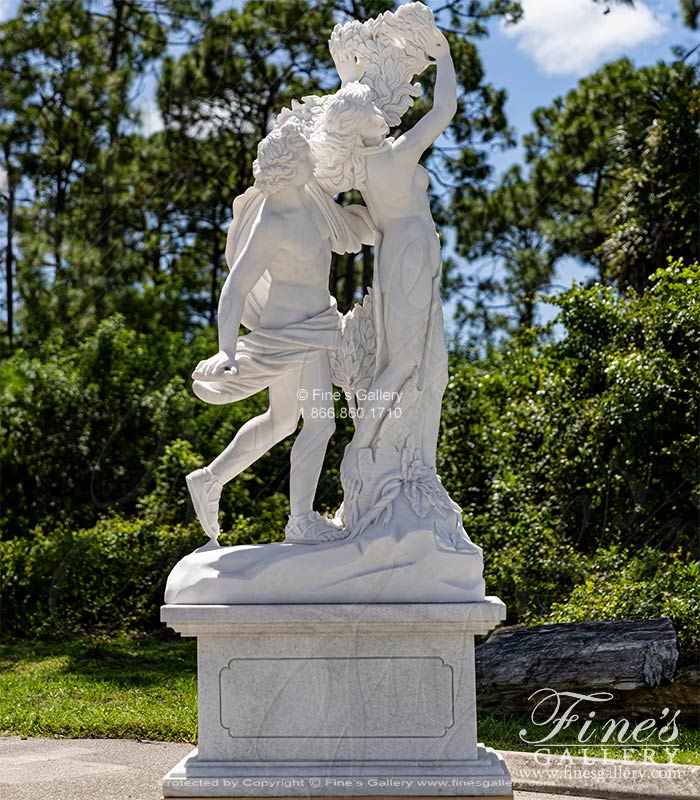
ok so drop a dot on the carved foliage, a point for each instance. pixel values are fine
(388, 49)
(352, 365)
(419, 484)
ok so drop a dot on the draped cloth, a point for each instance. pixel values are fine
(267, 355)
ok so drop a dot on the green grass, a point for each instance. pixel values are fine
(146, 689)
(118, 688)
(502, 733)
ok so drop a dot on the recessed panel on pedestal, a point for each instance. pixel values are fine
(392, 697)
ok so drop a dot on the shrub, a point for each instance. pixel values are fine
(530, 570)
(104, 579)
(560, 449)
(102, 426)
(109, 578)
(622, 585)
(594, 435)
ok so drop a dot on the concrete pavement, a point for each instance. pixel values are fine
(123, 769)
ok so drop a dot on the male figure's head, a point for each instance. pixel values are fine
(284, 159)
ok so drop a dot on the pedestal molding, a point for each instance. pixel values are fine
(334, 619)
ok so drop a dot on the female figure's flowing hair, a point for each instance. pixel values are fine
(337, 145)
(377, 61)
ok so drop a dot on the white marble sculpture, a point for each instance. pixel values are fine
(339, 662)
(279, 250)
(398, 537)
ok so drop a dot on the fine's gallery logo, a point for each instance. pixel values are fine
(556, 711)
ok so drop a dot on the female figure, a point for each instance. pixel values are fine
(411, 354)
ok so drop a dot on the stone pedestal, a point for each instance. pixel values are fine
(337, 700)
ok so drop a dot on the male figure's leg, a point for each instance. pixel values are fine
(261, 433)
(252, 441)
(309, 450)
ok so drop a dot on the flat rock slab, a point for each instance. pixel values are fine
(617, 656)
(116, 769)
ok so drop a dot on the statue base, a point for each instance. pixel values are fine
(337, 700)
(405, 562)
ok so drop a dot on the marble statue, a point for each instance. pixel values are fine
(279, 252)
(340, 661)
(398, 536)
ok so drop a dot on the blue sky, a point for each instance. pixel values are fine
(561, 41)
(542, 57)
(557, 43)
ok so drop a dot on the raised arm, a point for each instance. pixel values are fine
(418, 139)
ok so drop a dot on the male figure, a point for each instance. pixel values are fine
(278, 287)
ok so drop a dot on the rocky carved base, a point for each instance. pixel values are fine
(402, 561)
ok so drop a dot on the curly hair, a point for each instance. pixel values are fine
(337, 146)
(278, 155)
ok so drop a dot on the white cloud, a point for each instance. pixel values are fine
(150, 118)
(574, 36)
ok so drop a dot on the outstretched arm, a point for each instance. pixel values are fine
(418, 139)
(247, 270)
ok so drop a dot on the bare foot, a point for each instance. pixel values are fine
(312, 528)
(205, 491)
